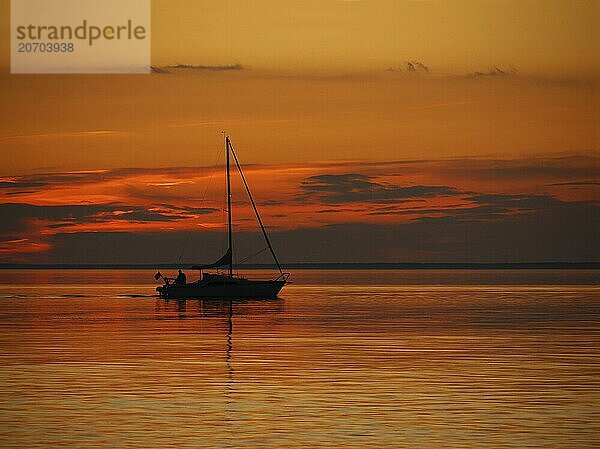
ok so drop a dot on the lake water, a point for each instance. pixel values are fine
(353, 359)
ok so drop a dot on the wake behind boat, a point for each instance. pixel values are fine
(228, 286)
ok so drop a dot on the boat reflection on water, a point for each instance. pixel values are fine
(213, 308)
(225, 309)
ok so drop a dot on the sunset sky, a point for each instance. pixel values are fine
(370, 130)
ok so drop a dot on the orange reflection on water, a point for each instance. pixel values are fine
(363, 360)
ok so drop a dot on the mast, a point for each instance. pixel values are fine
(227, 145)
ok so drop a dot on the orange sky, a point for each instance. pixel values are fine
(335, 128)
(90, 122)
(541, 37)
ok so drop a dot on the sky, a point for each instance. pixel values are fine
(370, 131)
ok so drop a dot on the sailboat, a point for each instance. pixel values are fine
(228, 285)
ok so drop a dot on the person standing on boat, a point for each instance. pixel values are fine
(181, 280)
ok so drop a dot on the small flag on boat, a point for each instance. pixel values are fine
(158, 275)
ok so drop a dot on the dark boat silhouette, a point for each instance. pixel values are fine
(230, 286)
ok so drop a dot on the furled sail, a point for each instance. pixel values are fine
(225, 260)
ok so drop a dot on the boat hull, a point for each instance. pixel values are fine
(241, 288)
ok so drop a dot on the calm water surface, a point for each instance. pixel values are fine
(353, 359)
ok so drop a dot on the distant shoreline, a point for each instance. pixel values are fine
(326, 266)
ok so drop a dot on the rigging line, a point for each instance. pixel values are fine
(246, 259)
(202, 199)
(262, 226)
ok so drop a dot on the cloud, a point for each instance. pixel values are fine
(544, 168)
(576, 183)
(354, 187)
(477, 208)
(160, 70)
(416, 66)
(409, 67)
(20, 217)
(564, 232)
(165, 70)
(64, 134)
(582, 169)
(43, 181)
(515, 201)
(14, 183)
(494, 71)
(211, 68)
(40, 181)
(21, 246)
(460, 192)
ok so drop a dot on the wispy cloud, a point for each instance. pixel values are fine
(576, 184)
(342, 176)
(495, 72)
(413, 66)
(66, 134)
(354, 187)
(21, 217)
(207, 68)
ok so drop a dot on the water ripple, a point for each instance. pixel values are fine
(491, 366)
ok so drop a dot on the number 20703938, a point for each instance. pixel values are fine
(46, 47)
